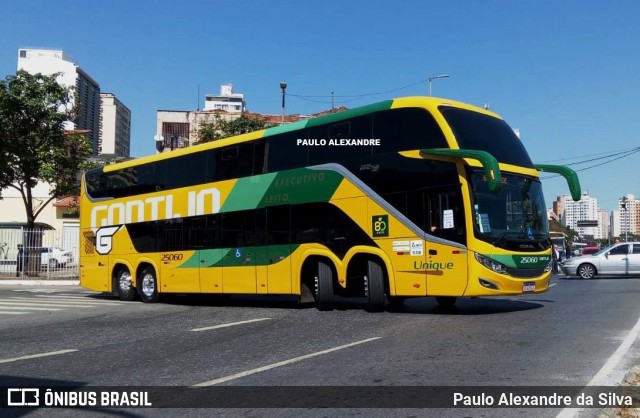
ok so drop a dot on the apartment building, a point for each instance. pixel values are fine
(86, 89)
(115, 127)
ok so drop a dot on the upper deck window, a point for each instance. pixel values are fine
(486, 133)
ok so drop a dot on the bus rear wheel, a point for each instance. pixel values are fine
(374, 287)
(324, 287)
(124, 288)
(148, 285)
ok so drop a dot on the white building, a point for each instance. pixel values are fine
(87, 90)
(629, 208)
(227, 100)
(115, 127)
(583, 216)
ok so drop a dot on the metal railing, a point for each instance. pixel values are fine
(42, 254)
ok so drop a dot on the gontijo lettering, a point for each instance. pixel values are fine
(203, 202)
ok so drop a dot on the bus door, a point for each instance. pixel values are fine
(445, 265)
(239, 238)
(179, 263)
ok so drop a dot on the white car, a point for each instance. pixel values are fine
(53, 257)
(619, 259)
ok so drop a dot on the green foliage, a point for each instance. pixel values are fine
(221, 128)
(33, 144)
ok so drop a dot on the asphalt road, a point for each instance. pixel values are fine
(564, 337)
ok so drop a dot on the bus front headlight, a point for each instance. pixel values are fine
(491, 264)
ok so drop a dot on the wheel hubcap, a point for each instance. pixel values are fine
(125, 282)
(148, 285)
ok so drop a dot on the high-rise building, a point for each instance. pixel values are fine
(629, 208)
(115, 127)
(582, 216)
(86, 89)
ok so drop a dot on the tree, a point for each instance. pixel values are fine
(221, 128)
(556, 226)
(34, 146)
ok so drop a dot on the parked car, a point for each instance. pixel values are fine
(619, 259)
(54, 257)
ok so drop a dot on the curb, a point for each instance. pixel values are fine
(40, 282)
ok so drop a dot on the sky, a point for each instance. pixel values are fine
(566, 74)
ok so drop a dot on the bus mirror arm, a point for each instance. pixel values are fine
(567, 173)
(489, 163)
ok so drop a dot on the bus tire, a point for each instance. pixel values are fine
(374, 287)
(122, 283)
(324, 287)
(148, 285)
(446, 301)
(586, 271)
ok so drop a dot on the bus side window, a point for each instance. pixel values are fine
(283, 153)
(171, 235)
(278, 225)
(243, 228)
(235, 161)
(259, 158)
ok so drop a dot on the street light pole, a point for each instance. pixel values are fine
(283, 86)
(625, 206)
(433, 77)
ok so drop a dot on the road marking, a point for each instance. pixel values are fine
(229, 325)
(281, 363)
(65, 300)
(32, 308)
(51, 353)
(11, 313)
(552, 284)
(74, 297)
(607, 375)
(55, 305)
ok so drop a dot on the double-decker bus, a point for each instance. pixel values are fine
(411, 197)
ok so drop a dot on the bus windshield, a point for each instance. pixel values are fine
(513, 218)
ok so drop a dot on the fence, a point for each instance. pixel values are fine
(38, 253)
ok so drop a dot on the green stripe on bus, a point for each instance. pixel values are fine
(521, 261)
(240, 257)
(301, 186)
(283, 188)
(248, 192)
(328, 119)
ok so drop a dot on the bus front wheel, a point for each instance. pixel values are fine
(148, 285)
(374, 287)
(124, 288)
(324, 287)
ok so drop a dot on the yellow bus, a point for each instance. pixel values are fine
(410, 197)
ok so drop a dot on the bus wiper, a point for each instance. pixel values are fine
(504, 235)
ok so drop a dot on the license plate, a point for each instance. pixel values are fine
(529, 287)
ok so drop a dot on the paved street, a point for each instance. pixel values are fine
(564, 337)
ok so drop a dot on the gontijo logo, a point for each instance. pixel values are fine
(154, 208)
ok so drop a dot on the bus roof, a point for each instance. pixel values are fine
(430, 103)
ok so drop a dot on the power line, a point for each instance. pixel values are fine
(351, 97)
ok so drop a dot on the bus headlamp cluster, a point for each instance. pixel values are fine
(491, 264)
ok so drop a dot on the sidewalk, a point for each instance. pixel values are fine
(39, 282)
